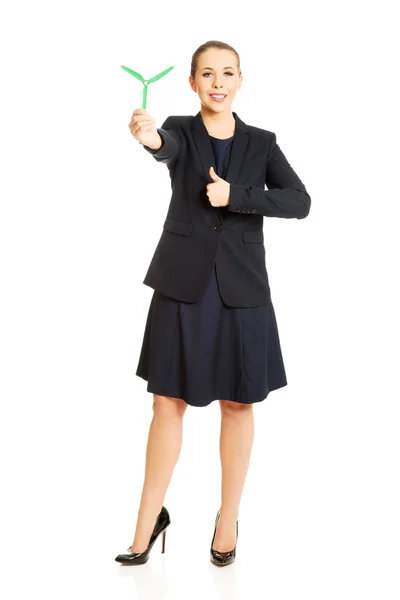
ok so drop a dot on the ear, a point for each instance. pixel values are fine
(192, 83)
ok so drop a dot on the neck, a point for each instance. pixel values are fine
(217, 119)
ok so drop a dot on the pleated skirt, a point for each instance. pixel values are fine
(206, 351)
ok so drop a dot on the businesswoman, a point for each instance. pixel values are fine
(211, 331)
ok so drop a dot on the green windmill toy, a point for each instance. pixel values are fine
(146, 81)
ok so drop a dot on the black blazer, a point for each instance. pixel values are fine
(195, 233)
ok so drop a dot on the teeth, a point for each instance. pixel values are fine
(215, 96)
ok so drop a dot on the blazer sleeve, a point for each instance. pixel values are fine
(286, 196)
(171, 143)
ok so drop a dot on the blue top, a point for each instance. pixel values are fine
(222, 150)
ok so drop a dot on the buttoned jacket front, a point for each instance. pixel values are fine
(196, 234)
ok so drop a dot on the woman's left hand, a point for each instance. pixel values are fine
(218, 192)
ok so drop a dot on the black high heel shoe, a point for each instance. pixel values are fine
(222, 558)
(139, 558)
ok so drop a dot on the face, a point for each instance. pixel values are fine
(217, 73)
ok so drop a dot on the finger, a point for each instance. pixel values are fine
(136, 126)
(213, 173)
(138, 131)
(142, 128)
(140, 111)
(142, 122)
(141, 119)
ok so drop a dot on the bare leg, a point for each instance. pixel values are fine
(236, 441)
(163, 449)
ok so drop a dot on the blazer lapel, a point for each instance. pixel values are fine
(203, 144)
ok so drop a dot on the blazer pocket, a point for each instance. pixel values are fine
(253, 237)
(179, 227)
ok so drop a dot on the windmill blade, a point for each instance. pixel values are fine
(137, 75)
(156, 77)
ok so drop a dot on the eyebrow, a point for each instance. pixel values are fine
(211, 69)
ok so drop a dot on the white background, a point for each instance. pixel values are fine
(82, 208)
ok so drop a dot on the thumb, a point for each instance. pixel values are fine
(213, 174)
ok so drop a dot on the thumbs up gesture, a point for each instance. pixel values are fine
(218, 192)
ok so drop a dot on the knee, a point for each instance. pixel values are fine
(231, 408)
(168, 406)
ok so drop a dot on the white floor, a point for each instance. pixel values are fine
(318, 516)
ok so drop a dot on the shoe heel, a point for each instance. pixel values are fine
(163, 541)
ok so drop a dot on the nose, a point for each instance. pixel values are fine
(216, 83)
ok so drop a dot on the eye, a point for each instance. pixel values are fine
(226, 73)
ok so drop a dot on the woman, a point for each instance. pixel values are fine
(211, 331)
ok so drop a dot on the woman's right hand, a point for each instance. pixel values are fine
(143, 127)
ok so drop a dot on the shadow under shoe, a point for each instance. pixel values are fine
(139, 558)
(221, 559)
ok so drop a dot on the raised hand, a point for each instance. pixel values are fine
(218, 192)
(143, 127)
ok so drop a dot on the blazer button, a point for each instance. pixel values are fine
(238, 209)
(253, 210)
(217, 227)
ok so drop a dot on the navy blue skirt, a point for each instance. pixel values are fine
(207, 351)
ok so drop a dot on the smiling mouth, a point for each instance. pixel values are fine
(217, 97)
